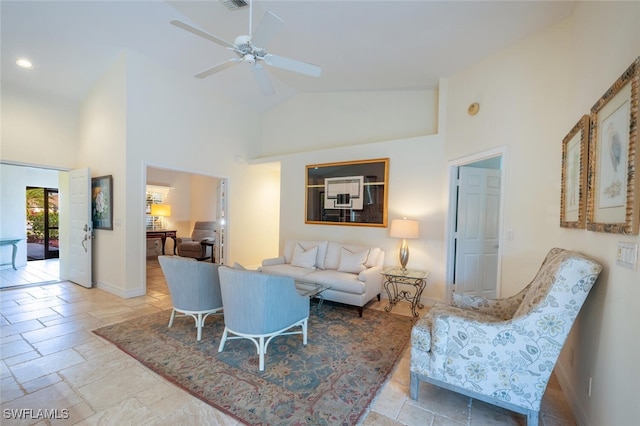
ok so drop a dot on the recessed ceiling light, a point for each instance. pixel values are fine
(24, 63)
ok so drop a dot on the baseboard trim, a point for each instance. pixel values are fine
(125, 294)
(571, 396)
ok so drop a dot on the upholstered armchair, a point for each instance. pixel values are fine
(194, 288)
(193, 247)
(260, 307)
(503, 351)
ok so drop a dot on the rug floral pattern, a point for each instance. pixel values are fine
(329, 381)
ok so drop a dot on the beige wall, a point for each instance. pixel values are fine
(139, 114)
(531, 95)
(38, 129)
(314, 121)
(353, 131)
(102, 141)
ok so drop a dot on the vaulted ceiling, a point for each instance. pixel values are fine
(366, 45)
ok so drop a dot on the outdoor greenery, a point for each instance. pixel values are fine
(35, 217)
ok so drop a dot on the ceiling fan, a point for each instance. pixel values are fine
(252, 49)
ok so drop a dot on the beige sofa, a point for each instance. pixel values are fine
(352, 271)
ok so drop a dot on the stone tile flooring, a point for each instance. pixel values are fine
(51, 361)
(36, 271)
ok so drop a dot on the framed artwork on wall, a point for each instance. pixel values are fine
(573, 200)
(102, 202)
(347, 193)
(614, 183)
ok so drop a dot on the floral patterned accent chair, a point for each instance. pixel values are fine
(503, 351)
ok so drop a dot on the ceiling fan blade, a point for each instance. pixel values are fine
(267, 28)
(201, 33)
(218, 68)
(263, 79)
(292, 65)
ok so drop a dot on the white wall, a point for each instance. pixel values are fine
(174, 124)
(416, 172)
(102, 139)
(38, 129)
(139, 114)
(13, 205)
(368, 126)
(313, 121)
(531, 95)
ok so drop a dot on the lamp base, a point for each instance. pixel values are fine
(404, 255)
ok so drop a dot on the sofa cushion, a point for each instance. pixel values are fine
(289, 245)
(304, 258)
(353, 262)
(334, 249)
(339, 281)
(286, 270)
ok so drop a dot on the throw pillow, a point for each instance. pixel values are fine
(373, 257)
(353, 262)
(236, 265)
(304, 258)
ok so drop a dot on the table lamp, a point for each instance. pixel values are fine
(404, 228)
(161, 211)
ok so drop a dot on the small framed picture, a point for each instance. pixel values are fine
(614, 182)
(573, 201)
(102, 202)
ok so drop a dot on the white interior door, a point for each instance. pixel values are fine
(81, 231)
(477, 232)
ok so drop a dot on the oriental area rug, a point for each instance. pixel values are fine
(332, 380)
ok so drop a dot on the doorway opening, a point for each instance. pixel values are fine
(473, 240)
(174, 201)
(43, 237)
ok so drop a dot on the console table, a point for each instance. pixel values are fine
(163, 234)
(13, 242)
(394, 277)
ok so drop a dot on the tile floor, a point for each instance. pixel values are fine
(51, 361)
(36, 271)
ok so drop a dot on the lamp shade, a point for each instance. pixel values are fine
(163, 210)
(404, 228)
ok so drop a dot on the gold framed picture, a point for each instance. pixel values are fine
(347, 193)
(573, 200)
(614, 203)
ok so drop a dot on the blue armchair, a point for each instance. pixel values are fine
(260, 307)
(194, 288)
(503, 351)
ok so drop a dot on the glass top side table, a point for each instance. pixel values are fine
(395, 278)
